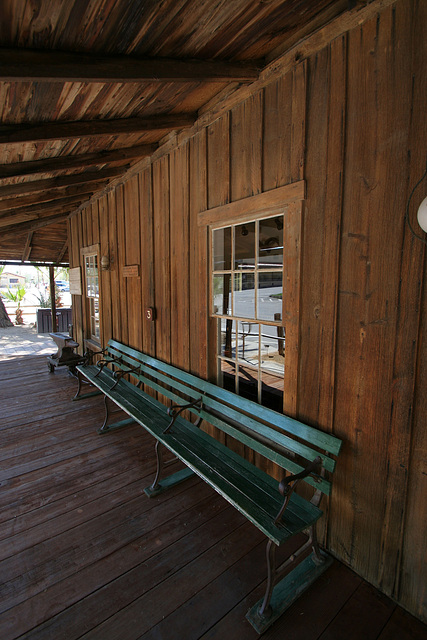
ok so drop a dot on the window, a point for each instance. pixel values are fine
(255, 280)
(247, 299)
(90, 257)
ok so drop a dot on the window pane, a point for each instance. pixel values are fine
(272, 366)
(270, 290)
(250, 355)
(248, 382)
(227, 343)
(270, 243)
(272, 391)
(96, 317)
(272, 349)
(248, 343)
(92, 284)
(244, 246)
(222, 249)
(222, 295)
(227, 375)
(244, 295)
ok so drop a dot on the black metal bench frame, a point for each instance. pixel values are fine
(304, 453)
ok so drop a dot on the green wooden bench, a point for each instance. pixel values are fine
(304, 453)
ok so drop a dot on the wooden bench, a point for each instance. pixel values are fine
(275, 508)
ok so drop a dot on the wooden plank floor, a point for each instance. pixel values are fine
(85, 554)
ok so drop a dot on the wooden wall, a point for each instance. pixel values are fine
(350, 121)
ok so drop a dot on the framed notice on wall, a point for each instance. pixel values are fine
(75, 281)
(131, 271)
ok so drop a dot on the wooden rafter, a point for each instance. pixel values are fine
(35, 186)
(62, 252)
(37, 199)
(37, 210)
(24, 65)
(63, 163)
(27, 248)
(40, 132)
(24, 227)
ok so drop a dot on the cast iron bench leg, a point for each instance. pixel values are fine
(106, 428)
(80, 396)
(281, 593)
(170, 481)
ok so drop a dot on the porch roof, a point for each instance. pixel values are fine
(88, 89)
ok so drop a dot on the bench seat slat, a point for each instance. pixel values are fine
(275, 437)
(216, 473)
(267, 452)
(274, 456)
(224, 470)
(256, 482)
(324, 441)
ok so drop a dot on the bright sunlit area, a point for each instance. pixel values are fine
(26, 289)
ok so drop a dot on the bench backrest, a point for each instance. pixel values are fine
(281, 439)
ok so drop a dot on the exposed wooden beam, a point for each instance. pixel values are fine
(27, 248)
(6, 225)
(62, 252)
(281, 62)
(36, 199)
(319, 20)
(24, 227)
(326, 26)
(35, 186)
(39, 210)
(40, 132)
(26, 65)
(63, 163)
(233, 95)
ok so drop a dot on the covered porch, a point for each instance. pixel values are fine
(85, 554)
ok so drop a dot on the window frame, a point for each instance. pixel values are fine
(288, 200)
(91, 338)
(241, 370)
(233, 272)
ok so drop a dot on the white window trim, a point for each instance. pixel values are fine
(290, 200)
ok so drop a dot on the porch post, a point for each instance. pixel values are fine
(52, 298)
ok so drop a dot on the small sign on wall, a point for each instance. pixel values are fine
(131, 271)
(150, 314)
(75, 281)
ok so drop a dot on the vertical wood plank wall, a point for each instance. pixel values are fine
(350, 121)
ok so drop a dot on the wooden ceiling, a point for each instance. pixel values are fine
(89, 87)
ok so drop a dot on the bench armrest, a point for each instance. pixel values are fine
(288, 485)
(104, 362)
(118, 375)
(176, 409)
(89, 355)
